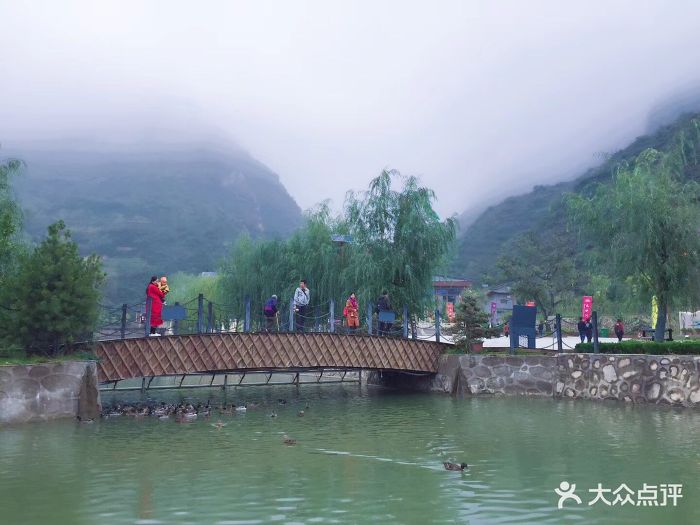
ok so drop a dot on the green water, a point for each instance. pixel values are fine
(362, 457)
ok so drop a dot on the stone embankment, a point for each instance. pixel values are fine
(671, 380)
(49, 391)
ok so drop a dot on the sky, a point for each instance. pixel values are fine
(481, 100)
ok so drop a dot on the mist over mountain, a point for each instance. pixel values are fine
(485, 235)
(152, 209)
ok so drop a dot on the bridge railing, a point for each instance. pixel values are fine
(201, 315)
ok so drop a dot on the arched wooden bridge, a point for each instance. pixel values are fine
(229, 352)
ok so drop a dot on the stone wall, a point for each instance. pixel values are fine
(49, 391)
(673, 380)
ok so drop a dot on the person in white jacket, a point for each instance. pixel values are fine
(302, 295)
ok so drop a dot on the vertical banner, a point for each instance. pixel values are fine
(493, 314)
(586, 307)
(450, 312)
(654, 312)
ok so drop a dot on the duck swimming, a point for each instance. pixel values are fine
(454, 466)
(288, 441)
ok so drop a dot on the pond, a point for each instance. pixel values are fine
(362, 455)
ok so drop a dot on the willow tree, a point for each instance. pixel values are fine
(646, 223)
(258, 269)
(399, 240)
(397, 243)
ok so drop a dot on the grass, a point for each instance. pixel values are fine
(12, 356)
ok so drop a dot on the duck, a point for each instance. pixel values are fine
(288, 441)
(454, 466)
(273, 414)
(282, 401)
(218, 425)
(241, 408)
(301, 413)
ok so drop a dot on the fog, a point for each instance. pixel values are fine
(479, 99)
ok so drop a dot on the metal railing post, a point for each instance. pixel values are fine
(291, 316)
(122, 331)
(596, 345)
(200, 313)
(176, 323)
(210, 317)
(246, 326)
(557, 328)
(405, 321)
(437, 325)
(147, 327)
(369, 318)
(331, 327)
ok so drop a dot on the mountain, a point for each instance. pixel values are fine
(484, 239)
(153, 211)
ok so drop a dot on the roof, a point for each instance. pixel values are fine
(440, 280)
(500, 290)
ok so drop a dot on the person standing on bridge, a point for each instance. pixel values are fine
(156, 296)
(351, 312)
(302, 295)
(270, 313)
(383, 310)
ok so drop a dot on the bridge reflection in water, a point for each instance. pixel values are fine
(255, 353)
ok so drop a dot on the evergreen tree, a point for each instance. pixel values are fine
(471, 322)
(54, 296)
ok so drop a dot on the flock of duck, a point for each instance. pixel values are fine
(187, 412)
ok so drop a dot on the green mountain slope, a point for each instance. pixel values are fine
(154, 212)
(539, 210)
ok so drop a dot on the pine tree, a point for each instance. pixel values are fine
(471, 322)
(54, 296)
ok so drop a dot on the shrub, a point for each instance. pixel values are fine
(644, 347)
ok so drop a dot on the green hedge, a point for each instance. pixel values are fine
(691, 347)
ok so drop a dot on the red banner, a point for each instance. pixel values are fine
(586, 307)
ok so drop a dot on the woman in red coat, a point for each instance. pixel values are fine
(157, 298)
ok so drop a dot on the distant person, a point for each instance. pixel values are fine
(540, 328)
(154, 293)
(589, 330)
(619, 329)
(581, 329)
(352, 313)
(302, 295)
(270, 313)
(383, 305)
(506, 329)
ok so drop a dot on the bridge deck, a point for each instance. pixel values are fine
(186, 354)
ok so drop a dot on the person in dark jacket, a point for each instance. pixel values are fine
(589, 330)
(581, 329)
(619, 330)
(384, 305)
(270, 313)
